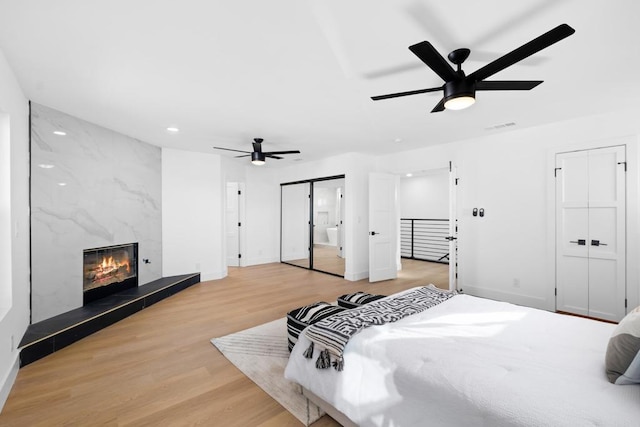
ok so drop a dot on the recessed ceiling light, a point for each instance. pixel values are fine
(397, 140)
(59, 132)
(45, 166)
(62, 184)
(173, 129)
(409, 175)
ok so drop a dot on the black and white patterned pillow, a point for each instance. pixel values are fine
(302, 317)
(357, 299)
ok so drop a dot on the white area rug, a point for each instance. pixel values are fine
(261, 354)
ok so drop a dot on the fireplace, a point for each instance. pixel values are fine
(109, 269)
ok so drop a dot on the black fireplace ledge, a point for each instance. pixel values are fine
(48, 336)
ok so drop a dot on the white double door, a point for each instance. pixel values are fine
(590, 233)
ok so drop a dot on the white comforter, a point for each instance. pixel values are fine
(474, 362)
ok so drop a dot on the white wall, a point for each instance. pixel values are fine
(262, 221)
(425, 196)
(510, 175)
(192, 214)
(111, 196)
(5, 215)
(14, 225)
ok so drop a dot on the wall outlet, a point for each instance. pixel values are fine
(516, 283)
(197, 266)
(13, 344)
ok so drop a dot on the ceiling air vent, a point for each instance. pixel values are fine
(500, 126)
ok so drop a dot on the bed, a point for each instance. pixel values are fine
(472, 361)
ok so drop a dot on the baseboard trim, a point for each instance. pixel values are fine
(354, 277)
(499, 295)
(213, 275)
(9, 380)
(259, 261)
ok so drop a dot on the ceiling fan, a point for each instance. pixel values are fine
(460, 89)
(257, 155)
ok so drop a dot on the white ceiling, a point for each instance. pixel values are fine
(299, 73)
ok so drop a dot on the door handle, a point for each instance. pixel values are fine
(597, 243)
(450, 238)
(580, 242)
(373, 233)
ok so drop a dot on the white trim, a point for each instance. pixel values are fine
(354, 277)
(260, 261)
(514, 298)
(213, 275)
(9, 380)
(242, 217)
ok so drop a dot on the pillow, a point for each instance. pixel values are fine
(357, 299)
(300, 318)
(622, 361)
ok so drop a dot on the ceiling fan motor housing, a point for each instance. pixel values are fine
(257, 156)
(458, 88)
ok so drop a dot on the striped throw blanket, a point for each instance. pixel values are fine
(333, 333)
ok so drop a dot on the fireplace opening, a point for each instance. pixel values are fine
(108, 270)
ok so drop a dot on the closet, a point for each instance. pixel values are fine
(590, 232)
(312, 224)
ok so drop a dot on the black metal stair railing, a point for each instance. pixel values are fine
(424, 239)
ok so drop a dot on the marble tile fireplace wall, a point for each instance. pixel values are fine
(91, 187)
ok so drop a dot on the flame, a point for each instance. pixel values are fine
(109, 264)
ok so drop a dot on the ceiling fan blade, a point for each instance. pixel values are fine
(267, 153)
(244, 155)
(430, 56)
(439, 107)
(547, 39)
(508, 84)
(272, 156)
(411, 92)
(231, 149)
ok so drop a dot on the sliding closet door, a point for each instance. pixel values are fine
(328, 226)
(295, 242)
(312, 225)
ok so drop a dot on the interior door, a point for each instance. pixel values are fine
(295, 245)
(383, 227)
(572, 221)
(340, 225)
(453, 229)
(232, 229)
(607, 246)
(590, 238)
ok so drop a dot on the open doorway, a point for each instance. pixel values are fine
(426, 217)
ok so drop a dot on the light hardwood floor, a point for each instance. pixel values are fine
(158, 368)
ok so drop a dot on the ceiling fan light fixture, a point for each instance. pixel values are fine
(459, 94)
(459, 102)
(257, 158)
